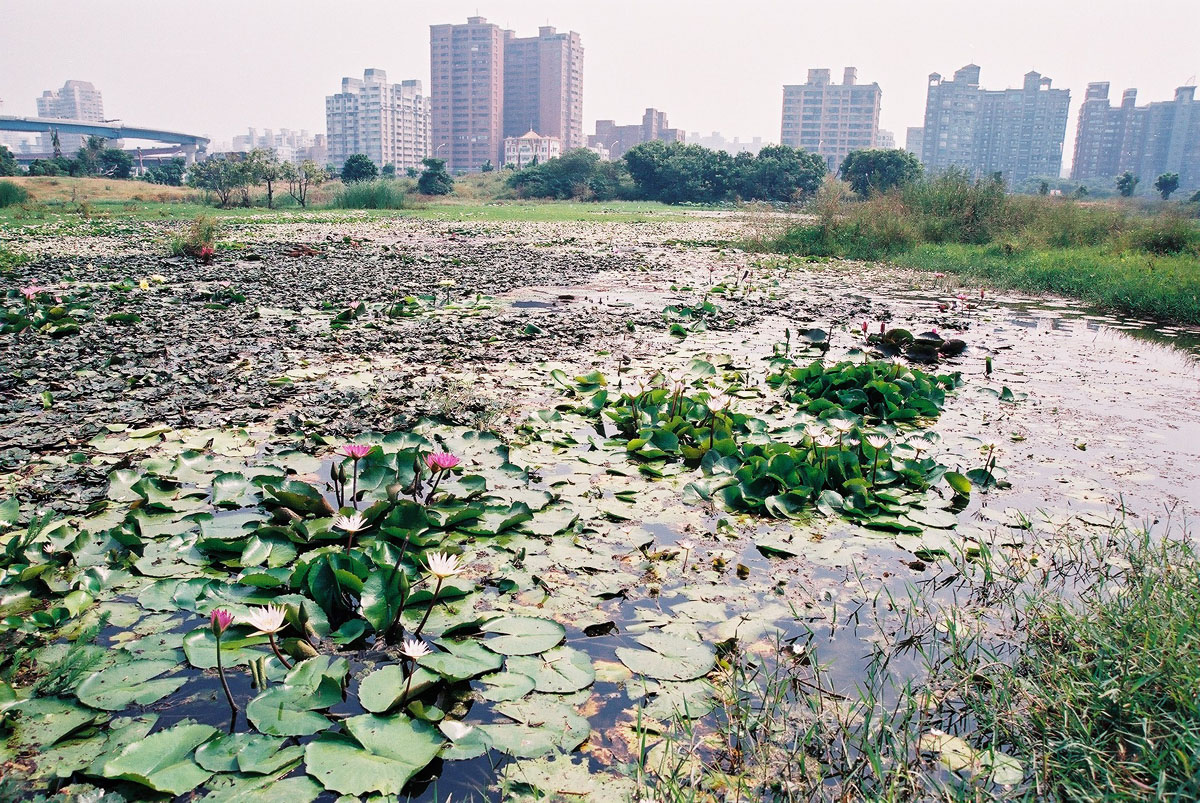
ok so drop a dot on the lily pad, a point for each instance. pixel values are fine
(522, 635)
(163, 761)
(668, 657)
(120, 686)
(558, 671)
(383, 755)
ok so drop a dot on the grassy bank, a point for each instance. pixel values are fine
(1073, 677)
(1134, 259)
(1159, 287)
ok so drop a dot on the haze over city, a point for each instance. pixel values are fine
(220, 67)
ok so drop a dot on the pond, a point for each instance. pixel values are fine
(609, 579)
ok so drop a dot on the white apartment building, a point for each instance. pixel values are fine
(522, 151)
(77, 100)
(390, 123)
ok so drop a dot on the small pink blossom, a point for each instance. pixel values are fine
(356, 451)
(864, 327)
(961, 297)
(881, 329)
(939, 275)
(981, 292)
(441, 461)
(935, 330)
(220, 619)
(31, 291)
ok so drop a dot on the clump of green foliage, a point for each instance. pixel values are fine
(199, 240)
(381, 193)
(12, 194)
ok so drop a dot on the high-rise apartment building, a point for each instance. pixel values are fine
(543, 86)
(466, 66)
(289, 145)
(1161, 137)
(831, 119)
(77, 100)
(616, 139)
(914, 136)
(387, 122)
(488, 84)
(1017, 133)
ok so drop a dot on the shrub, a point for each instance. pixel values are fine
(12, 193)
(378, 194)
(200, 239)
(1165, 234)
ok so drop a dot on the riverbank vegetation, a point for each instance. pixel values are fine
(1071, 677)
(1143, 262)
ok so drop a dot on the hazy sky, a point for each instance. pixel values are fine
(217, 67)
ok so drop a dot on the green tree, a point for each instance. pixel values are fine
(434, 179)
(169, 173)
(88, 156)
(300, 178)
(487, 166)
(679, 173)
(358, 167)
(263, 167)
(1126, 184)
(778, 173)
(388, 171)
(116, 163)
(223, 175)
(879, 170)
(1166, 184)
(8, 163)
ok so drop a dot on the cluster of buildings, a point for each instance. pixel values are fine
(1150, 140)
(494, 98)
(289, 146)
(497, 99)
(1015, 133)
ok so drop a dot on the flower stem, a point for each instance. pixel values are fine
(354, 491)
(275, 648)
(221, 673)
(429, 610)
(437, 480)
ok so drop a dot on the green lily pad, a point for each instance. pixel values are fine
(462, 661)
(558, 671)
(522, 635)
(383, 755)
(668, 657)
(45, 720)
(506, 685)
(200, 647)
(383, 689)
(163, 761)
(120, 686)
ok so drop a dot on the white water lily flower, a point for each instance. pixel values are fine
(842, 425)
(443, 564)
(350, 524)
(455, 730)
(719, 401)
(877, 441)
(825, 440)
(685, 545)
(415, 649)
(270, 619)
(814, 430)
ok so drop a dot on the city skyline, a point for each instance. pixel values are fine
(725, 75)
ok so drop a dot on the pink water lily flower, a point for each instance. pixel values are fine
(31, 291)
(356, 451)
(220, 619)
(441, 461)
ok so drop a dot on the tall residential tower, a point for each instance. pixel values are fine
(1150, 140)
(543, 86)
(387, 122)
(1016, 133)
(831, 119)
(488, 84)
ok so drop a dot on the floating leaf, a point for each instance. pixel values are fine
(120, 686)
(383, 755)
(163, 761)
(522, 635)
(669, 657)
(557, 671)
